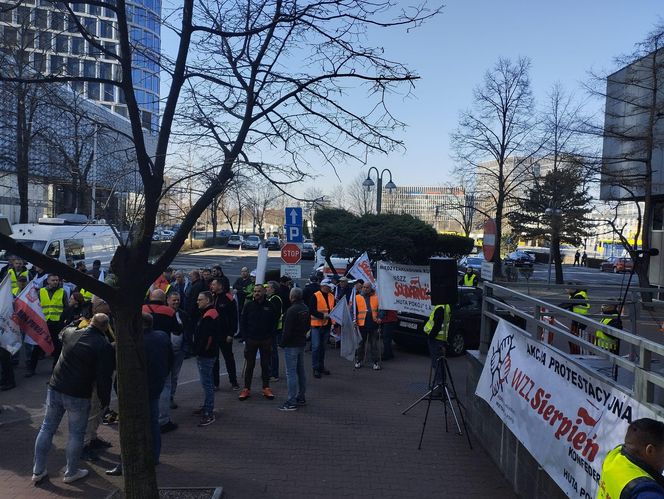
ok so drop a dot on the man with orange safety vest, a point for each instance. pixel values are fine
(633, 470)
(320, 306)
(367, 320)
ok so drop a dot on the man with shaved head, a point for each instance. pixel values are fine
(634, 470)
(87, 360)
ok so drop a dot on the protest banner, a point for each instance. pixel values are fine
(566, 416)
(361, 269)
(10, 334)
(404, 288)
(29, 316)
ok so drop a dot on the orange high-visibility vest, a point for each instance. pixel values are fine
(362, 308)
(324, 306)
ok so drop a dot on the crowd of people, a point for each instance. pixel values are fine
(199, 315)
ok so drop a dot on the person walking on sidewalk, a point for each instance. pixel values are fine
(206, 349)
(320, 306)
(272, 290)
(294, 338)
(227, 327)
(257, 326)
(87, 359)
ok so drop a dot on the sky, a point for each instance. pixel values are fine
(564, 40)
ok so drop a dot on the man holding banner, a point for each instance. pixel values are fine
(367, 320)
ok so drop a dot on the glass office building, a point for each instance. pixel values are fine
(54, 45)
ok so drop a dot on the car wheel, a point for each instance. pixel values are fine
(457, 344)
(615, 270)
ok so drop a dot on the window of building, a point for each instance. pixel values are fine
(40, 18)
(89, 69)
(121, 97)
(90, 24)
(106, 70)
(109, 92)
(106, 29)
(23, 16)
(111, 47)
(57, 20)
(29, 39)
(94, 10)
(56, 63)
(77, 45)
(10, 35)
(93, 91)
(61, 44)
(45, 40)
(6, 16)
(78, 7)
(39, 62)
(77, 86)
(73, 67)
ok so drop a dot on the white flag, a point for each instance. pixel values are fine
(350, 337)
(361, 269)
(10, 333)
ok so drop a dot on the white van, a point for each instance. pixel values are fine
(68, 240)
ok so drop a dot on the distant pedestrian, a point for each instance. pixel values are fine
(389, 321)
(584, 259)
(272, 290)
(177, 344)
(257, 326)
(320, 306)
(368, 321)
(86, 360)
(577, 258)
(294, 338)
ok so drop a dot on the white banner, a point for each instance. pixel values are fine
(10, 334)
(566, 417)
(404, 288)
(361, 269)
(261, 265)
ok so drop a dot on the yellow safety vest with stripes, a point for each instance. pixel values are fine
(52, 306)
(580, 308)
(617, 473)
(442, 334)
(470, 279)
(605, 340)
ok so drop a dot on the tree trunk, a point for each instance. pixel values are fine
(498, 271)
(22, 158)
(135, 438)
(557, 258)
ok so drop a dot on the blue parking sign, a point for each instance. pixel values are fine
(293, 216)
(294, 233)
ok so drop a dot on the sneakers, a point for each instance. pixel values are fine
(38, 477)
(207, 420)
(358, 365)
(199, 412)
(81, 473)
(317, 373)
(274, 378)
(300, 402)
(376, 367)
(244, 394)
(287, 407)
(267, 393)
(111, 417)
(168, 427)
(236, 388)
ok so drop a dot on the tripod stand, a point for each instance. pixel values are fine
(439, 390)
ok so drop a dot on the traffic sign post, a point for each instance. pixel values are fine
(291, 253)
(489, 240)
(292, 271)
(293, 224)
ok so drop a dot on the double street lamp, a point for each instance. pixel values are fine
(368, 183)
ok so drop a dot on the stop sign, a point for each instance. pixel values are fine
(489, 241)
(291, 253)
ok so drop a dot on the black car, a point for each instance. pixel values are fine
(465, 324)
(519, 259)
(273, 243)
(308, 252)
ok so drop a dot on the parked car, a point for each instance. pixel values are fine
(472, 261)
(273, 243)
(251, 242)
(465, 324)
(166, 235)
(520, 258)
(225, 233)
(235, 241)
(308, 251)
(617, 264)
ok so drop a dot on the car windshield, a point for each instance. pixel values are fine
(235, 237)
(474, 261)
(32, 244)
(253, 238)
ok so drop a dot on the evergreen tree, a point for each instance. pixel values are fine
(555, 209)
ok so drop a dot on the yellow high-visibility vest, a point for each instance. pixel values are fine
(442, 334)
(52, 306)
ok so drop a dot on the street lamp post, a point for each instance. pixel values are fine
(368, 183)
(554, 217)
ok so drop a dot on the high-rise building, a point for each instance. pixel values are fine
(438, 206)
(53, 45)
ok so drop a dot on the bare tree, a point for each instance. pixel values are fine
(262, 196)
(360, 200)
(337, 196)
(634, 113)
(494, 142)
(243, 93)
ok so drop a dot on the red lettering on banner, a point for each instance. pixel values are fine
(366, 268)
(562, 426)
(414, 291)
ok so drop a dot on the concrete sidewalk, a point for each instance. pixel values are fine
(349, 441)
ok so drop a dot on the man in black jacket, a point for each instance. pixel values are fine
(258, 326)
(206, 348)
(294, 337)
(227, 325)
(87, 359)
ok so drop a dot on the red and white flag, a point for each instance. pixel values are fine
(10, 334)
(29, 316)
(361, 269)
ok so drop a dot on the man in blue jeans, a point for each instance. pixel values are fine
(294, 337)
(320, 306)
(206, 343)
(87, 359)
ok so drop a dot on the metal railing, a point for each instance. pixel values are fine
(531, 310)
